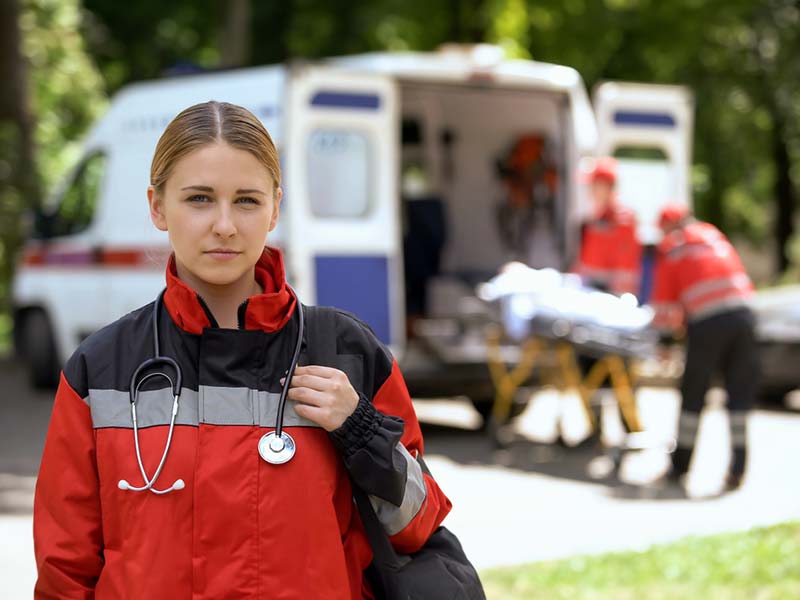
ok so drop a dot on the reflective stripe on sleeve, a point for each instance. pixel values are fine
(395, 518)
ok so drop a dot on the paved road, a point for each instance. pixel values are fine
(529, 502)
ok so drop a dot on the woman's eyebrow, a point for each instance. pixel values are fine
(205, 188)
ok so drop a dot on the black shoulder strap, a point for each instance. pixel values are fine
(320, 328)
(321, 349)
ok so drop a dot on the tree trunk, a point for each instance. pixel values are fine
(784, 193)
(235, 47)
(19, 183)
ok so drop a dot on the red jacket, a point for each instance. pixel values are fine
(698, 274)
(241, 528)
(610, 253)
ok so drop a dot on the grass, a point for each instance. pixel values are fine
(758, 564)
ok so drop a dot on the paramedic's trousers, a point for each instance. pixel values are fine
(724, 343)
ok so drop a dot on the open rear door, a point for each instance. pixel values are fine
(344, 243)
(649, 129)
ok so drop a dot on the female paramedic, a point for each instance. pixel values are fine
(180, 462)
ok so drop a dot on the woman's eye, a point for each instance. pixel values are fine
(198, 198)
(248, 200)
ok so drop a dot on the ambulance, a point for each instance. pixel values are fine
(399, 194)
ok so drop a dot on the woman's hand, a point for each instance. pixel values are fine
(322, 395)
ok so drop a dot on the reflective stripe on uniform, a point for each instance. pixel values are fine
(395, 518)
(212, 405)
(709, 309)
(738, 428)
(737, 282)
(688, 424)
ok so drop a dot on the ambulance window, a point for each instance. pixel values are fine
(77, 207)
(640, 153)
(339, 173)
(646, 182)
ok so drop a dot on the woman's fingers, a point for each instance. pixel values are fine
(309, 396)
(318, 378)
(323, 395)
(311, 381)
(317, 370)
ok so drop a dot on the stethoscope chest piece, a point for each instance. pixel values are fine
(276, 450)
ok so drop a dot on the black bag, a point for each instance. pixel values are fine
(439, 570)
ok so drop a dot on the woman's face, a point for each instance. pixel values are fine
(218, 205)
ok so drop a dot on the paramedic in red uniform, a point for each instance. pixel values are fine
(237, 526)
(700, 281)
(609, 259)
(610, 253)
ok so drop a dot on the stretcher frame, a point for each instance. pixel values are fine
(534, 351)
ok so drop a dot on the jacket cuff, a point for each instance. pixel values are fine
(359, 428)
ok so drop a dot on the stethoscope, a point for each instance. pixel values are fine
(275, 447)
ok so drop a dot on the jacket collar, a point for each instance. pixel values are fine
(269, 311)
(616, 212)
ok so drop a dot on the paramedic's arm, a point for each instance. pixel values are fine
(67, 531)
(381, 443)
(668, 317)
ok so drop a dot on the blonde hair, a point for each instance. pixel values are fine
(207, 123)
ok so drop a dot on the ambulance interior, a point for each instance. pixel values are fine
(482, 181)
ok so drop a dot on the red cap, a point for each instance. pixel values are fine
(604, 169)
(672, 214)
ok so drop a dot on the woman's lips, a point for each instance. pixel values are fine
(222, 254)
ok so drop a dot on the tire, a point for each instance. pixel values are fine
(40, 352)
(774, 396)
(484, 406)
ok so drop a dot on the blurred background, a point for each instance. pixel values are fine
(520, 498)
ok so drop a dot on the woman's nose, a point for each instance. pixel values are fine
(223, 225)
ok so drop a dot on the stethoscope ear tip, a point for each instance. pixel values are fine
(178, 485)
(123, 485)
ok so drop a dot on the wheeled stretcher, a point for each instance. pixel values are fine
(554, 318)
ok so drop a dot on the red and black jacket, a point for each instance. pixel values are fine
(241, 528)
(698, 274)
(610, 254)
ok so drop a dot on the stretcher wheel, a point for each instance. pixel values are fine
(39, 350)
(484, 406)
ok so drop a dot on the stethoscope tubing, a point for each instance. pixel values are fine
(292, 366)
(279, 457)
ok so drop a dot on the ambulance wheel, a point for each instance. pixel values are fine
(484, 406)
(40, 350)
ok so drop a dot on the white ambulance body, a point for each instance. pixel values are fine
(337, 125)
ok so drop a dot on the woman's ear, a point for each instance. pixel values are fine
(276, 209)
(156, 209)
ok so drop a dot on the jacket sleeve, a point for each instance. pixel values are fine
(665, 300)
(67, 530)
(382, 446)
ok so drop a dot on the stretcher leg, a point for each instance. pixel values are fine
(507, 382)
(568, 364)
(623, 390)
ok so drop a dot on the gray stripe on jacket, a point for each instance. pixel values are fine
(212, 405)
(395, 518)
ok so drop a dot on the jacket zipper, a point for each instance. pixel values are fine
(240, 312)
(211, 320)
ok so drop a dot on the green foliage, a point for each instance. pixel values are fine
(67, 91)
(761, 563)
(736, 55)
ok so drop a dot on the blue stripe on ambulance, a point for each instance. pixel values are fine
(650, 119)
(346, 100)
(359, 284)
